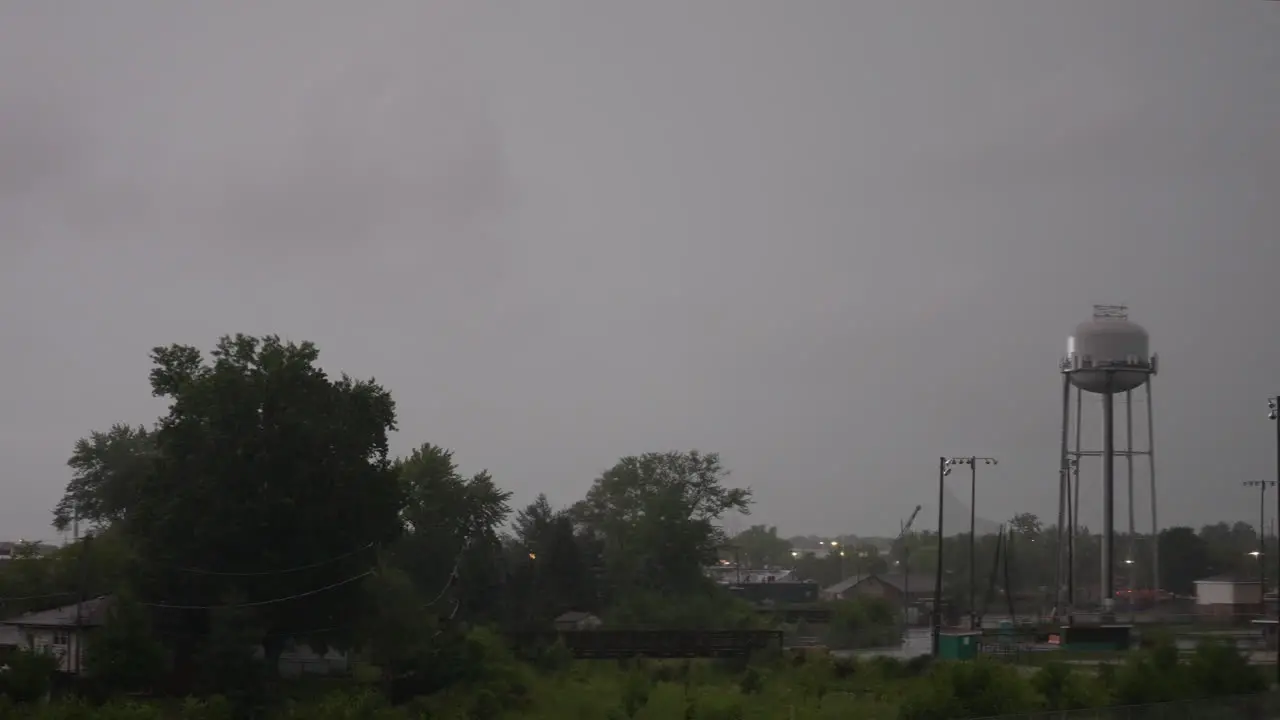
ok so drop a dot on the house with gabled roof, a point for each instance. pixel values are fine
(59, 631)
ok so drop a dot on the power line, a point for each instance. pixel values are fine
(266, 573)
(449, 582)
(453, 573)
(261, 603)
(46, 596)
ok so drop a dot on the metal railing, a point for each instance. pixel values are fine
(1264, 706)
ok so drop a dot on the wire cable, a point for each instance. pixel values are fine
(453, 573)
(449, 582)
(262, 603)
(267, 573)
(48, 596)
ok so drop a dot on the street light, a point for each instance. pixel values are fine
(1273, 414)
(936, 630)
(972, 462)
(1262, 486)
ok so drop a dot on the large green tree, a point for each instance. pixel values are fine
(760, 546)
(449, 547)
(658, 516)
(551, 563)
(271, 480)
(1184, 558)
(107, 469)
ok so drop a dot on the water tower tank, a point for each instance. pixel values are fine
(1108, 345)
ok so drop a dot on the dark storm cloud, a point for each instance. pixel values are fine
(831, 240)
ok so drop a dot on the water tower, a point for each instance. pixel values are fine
(1109, 356)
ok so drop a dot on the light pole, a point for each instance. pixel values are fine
(1262, 486)
(1130, 594)
(972, 462)
(1071, 473)
(936, 633)
(1273, 413)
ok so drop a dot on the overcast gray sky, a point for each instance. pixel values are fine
(828, 239)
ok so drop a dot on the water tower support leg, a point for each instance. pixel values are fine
(1075, 506)
(1130, 558)
(1063, 497)
(1108, 503)
(1151, 468)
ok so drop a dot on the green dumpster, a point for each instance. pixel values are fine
(959, 644)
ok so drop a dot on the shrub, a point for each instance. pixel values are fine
(918, 665)
(863, 622)
(124, 655)
(752, 682)
(635, 692)
(553, 658)
(1217, 668)
(1064, 688)
(969, 690)
(715, 703)
(366, 705)
(1146, 676)
(28, 675)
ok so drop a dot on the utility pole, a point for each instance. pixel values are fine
(943, 470)
(972, 462)
(1262, 486)
(1273, 413)
(74, 650)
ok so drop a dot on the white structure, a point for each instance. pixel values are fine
(1227, 595)
(768, 576)
(10, 550)
(1107, 355)
(299, 659)
(64, 632)
(60, 632)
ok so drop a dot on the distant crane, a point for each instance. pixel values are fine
(906, 527)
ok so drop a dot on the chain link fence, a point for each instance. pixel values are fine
(1265, 706)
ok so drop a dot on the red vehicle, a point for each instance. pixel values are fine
(1141, 597)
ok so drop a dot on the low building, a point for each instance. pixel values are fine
(1228, 596)
(776, 593)
(911, 588)
(22, 548)
(820, 551)
(65, 631)
(60, 632)
(10, 638)
(576, 620)
(298, 659)
(769, 576)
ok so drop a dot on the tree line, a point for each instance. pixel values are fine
(265, 508)
(1031, 550)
